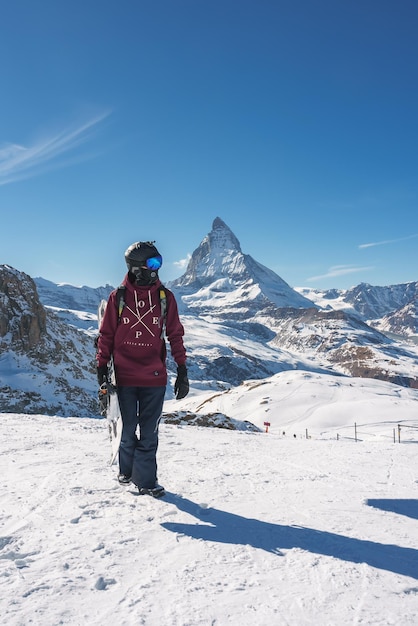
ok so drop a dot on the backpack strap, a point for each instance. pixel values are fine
(163, 303)
(120, 300)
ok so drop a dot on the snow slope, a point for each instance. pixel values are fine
(257, 529)
(326, 406)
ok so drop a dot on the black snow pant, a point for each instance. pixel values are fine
(140, 406)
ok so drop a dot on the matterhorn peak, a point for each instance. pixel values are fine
(219, 275)
(218, 255)
(222, 236)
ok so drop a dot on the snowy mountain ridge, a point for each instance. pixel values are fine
(242, 322)
(243, 293)
(391, 309)
(69, 297)
(219, 277)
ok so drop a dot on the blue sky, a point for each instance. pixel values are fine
(294, 121)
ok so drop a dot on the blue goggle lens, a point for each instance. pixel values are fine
(154, 263)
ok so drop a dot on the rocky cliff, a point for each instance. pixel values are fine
(46, 366)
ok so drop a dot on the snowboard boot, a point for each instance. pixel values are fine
(123, 479)
(156, 492)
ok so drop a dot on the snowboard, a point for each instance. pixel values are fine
(108, 399)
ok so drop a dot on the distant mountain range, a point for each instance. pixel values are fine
(242, 322)
(328, 329)
(392, 309)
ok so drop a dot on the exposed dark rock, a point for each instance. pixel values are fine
(22, 316)
(49, 366)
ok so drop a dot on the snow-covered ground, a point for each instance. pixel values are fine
(257, 529)
(320, 406)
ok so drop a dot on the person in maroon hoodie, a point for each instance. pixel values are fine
(132, 333)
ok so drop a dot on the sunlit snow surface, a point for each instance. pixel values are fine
(256, 528)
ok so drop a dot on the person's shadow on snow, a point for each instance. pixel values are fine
(406, 507)
(223, 527)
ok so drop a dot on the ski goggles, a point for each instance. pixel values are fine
(154, 262)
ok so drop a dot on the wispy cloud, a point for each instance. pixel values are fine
(340, 270)
(386, 241)
(18, 162)
(183, 263)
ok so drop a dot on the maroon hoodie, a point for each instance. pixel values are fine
(135, 341)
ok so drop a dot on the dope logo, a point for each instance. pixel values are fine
(144, 318)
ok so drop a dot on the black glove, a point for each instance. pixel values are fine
(102, 394)
(181, 386)
(102, 375)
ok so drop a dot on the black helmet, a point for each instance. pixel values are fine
(143, 261)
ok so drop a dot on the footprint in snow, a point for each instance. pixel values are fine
(103, 583)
